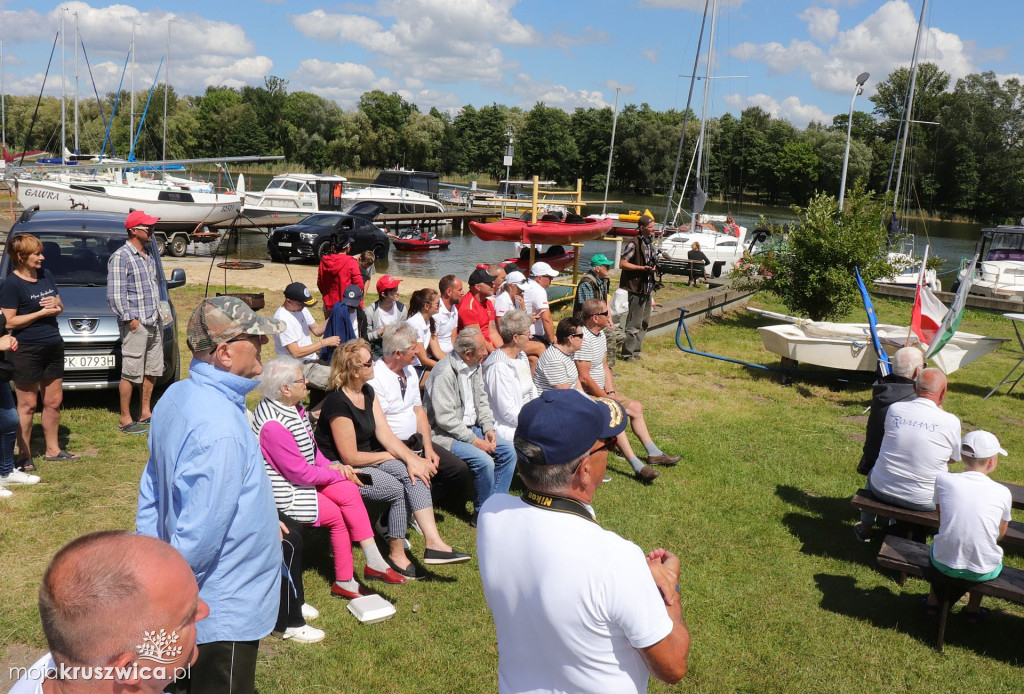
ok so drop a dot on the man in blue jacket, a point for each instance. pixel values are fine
(205, 491)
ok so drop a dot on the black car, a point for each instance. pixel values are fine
(312, 238)
(76, 247)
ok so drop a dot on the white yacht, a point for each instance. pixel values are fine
(295, 194)
(1000, 270)
(723, 248)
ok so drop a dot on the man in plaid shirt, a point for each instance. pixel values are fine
(134, 296)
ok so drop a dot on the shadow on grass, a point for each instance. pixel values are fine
(902, 612)
(828, 530)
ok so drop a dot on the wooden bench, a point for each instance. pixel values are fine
(909, 557)
(1016, 492)
(927, 521)
(693, 269)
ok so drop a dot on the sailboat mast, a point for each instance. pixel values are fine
(611, 150)
(3, 99)
(131, 116)
(63, 85)
(686, 118)
(704, 106)
(167, 81)
(77, 39)
(910, 104)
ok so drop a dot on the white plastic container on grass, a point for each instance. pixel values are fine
(370, 609)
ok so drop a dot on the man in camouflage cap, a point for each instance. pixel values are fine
(205, 491)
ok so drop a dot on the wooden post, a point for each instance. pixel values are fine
(533, 205)
(576, 262)
(579, 196)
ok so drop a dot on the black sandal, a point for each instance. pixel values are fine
(26, 465)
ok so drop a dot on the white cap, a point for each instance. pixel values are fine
(542, 269)
(516, 278)
(981, 444)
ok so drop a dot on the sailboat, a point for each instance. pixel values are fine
(903, 257)
(723, 248)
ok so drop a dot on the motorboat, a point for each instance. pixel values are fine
(1000, 269)
(547, 230)
(413, 239)
(400, 192)
(294, 194)
(848, 346)
(723, 248)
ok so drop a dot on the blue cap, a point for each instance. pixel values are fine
(565, 424)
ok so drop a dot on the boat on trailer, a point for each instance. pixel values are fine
(848, 346)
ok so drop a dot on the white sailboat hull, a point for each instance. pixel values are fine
(715, 245)
(176, 208)
(847, 346)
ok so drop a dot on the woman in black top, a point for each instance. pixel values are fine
(353, 429)
(695, 253)
(30, 303)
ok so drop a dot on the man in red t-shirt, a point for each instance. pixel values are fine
(337, 271)
(475, 309)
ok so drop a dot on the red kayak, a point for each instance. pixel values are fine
(420, 244)
(556, 256)
(541, 232)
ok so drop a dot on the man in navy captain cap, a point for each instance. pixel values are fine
(576, 607)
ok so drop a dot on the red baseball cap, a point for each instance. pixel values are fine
(387, 282)
(138, 218)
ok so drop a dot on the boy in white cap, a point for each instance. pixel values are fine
(974, 512)
(535, 296)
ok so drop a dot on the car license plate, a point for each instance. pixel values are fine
(285, 244)
(89, 361)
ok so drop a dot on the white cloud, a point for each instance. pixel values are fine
(531, 91)
(431, 40)
(789, 109)
(652, 54)
(822, 23)
(203, 51)
(879, 44)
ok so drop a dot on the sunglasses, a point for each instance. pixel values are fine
(246, 338)
(579, 335)
(303, 379)
(367, 364)
(606, 445)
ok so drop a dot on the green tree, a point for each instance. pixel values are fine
(387, 114)
(546, 144)
(812, 272)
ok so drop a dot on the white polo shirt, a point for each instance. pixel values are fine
(972, 507)
(919, 441)
(445, 322)
(397, 407)
(535, 298)
(572, 602)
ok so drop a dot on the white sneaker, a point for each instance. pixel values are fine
(381, 528)
(303, 634)
(309, 612)
(414, 525)
(18, 477)
(4, 493)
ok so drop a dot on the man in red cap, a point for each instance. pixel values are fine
(475, 309)
(386, 310)
(134, 295)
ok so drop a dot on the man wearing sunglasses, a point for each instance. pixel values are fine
(206, 492)
(575, 607)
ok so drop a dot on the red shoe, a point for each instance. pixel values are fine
(348, 594)
(389, 576)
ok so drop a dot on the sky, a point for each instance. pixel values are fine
(797, 59)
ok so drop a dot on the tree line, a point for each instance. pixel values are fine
(964, 158)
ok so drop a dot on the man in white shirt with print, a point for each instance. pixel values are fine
(297, 338)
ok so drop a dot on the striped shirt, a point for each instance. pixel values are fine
(296, 502)
(594, 350)
(132, 290)
(555, 368)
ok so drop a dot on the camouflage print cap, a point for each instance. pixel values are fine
(223, 318)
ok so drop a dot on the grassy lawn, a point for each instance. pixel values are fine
(777, 594)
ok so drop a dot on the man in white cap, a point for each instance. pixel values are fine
(576, 608)
(296, 340)
(535, 296)
(974, 513)
(206, 492)
(134, 295)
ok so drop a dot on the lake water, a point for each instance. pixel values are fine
(949, 241)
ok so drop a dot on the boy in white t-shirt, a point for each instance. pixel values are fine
(974, 512)
(297, 338)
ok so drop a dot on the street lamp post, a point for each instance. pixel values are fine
(507, 161)
(859, 89)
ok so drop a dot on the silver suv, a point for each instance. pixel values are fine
(76, 247)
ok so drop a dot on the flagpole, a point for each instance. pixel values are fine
(917, 294)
